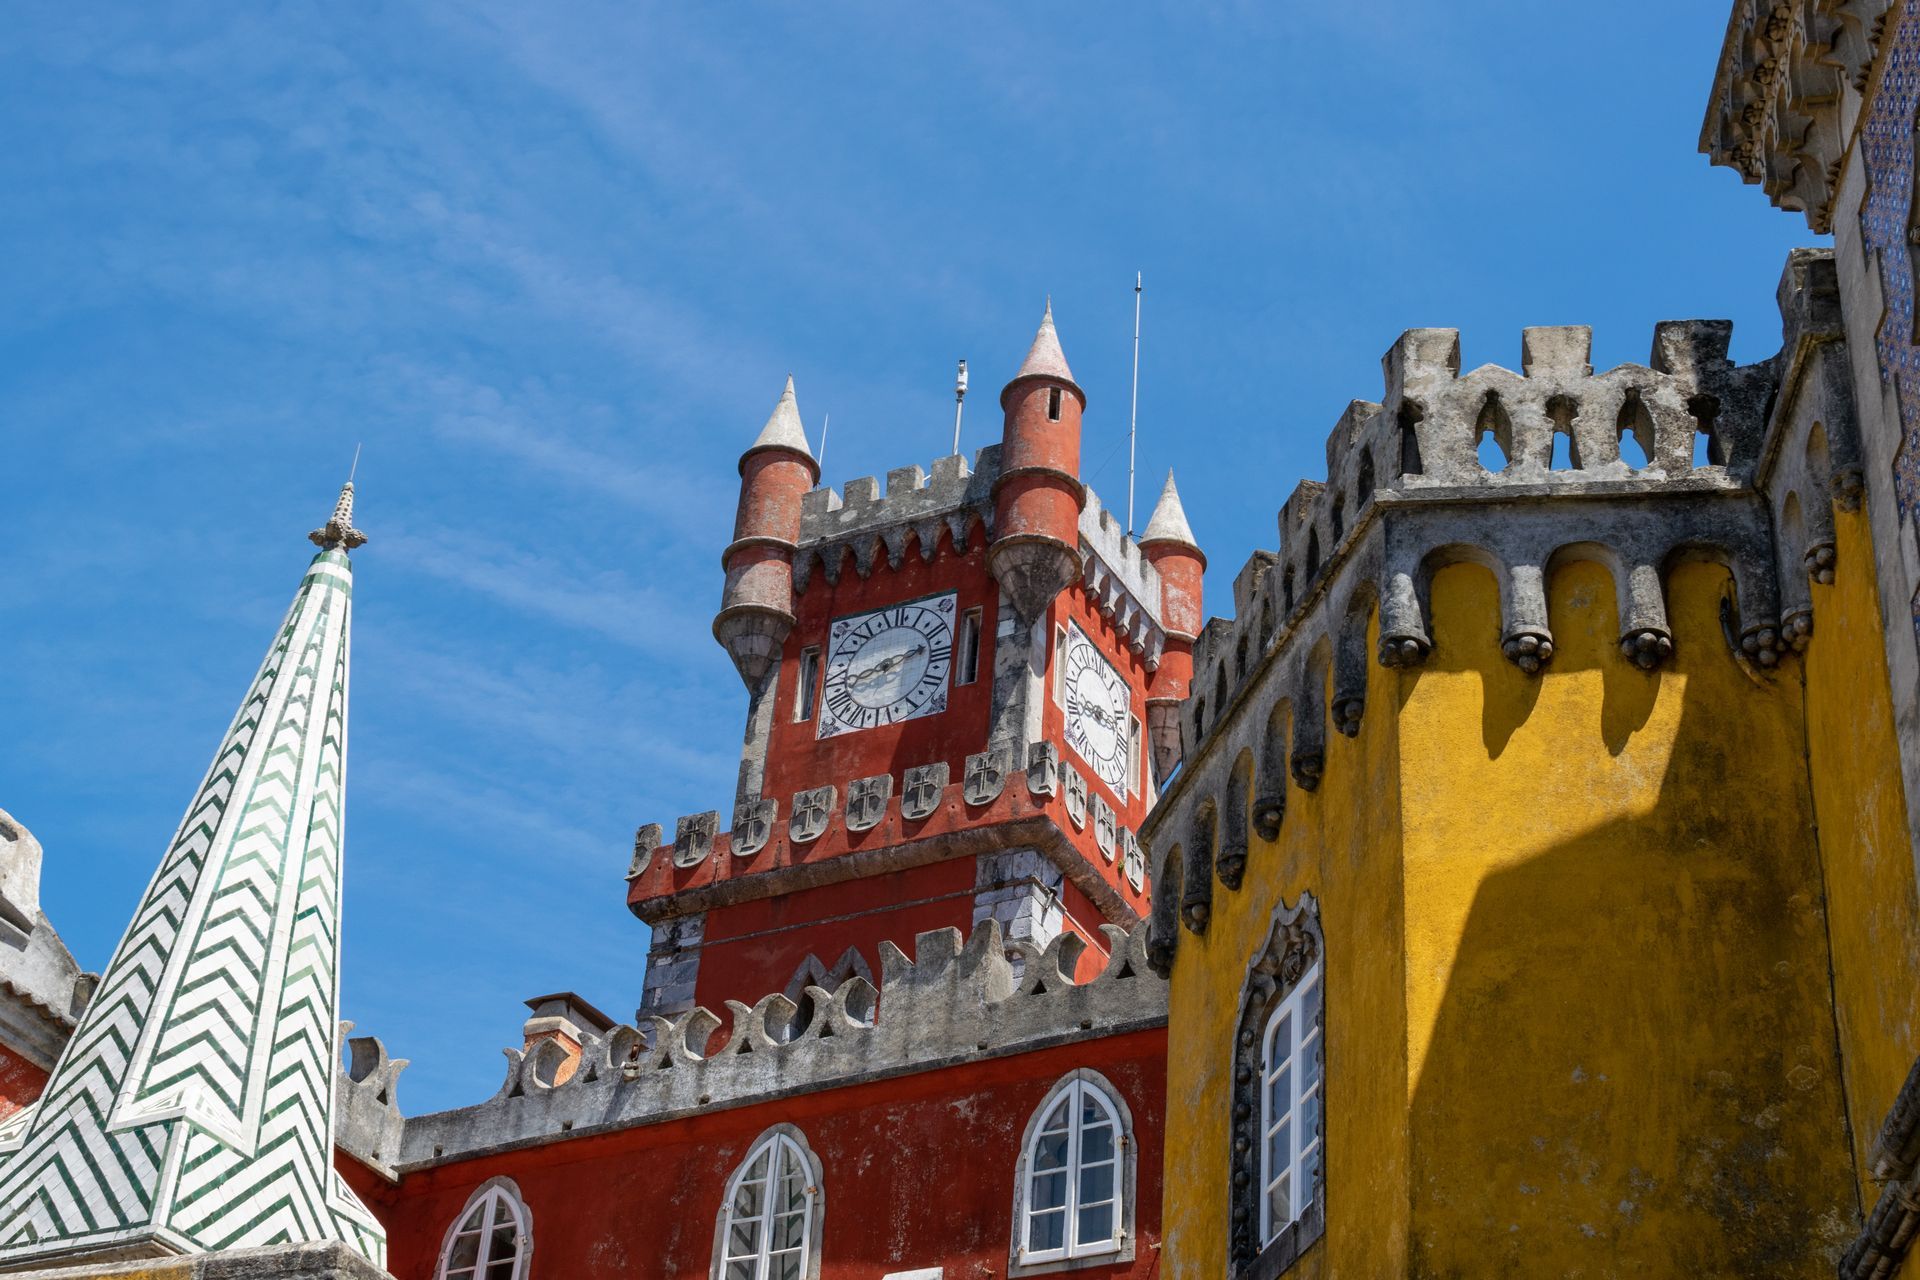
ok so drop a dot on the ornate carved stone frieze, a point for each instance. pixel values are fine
(1786, 93)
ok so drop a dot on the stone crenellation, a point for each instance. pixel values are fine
(1122, 581)
(861, 525)
(948, 1003)
(1700, 420)
(1742, 465)
(860, 805)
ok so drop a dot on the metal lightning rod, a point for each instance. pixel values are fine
(1133, 413)
(959, 396)
(821, 461)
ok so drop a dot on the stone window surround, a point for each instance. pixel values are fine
(506, 1191)
(1125, 1178)
(816, 1200)
(1293, 947)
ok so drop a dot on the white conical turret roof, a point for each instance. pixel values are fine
(1169, 521)
(1044, 357)
(783, 429)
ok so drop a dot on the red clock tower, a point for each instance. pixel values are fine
(899, 1021)
(955, 693)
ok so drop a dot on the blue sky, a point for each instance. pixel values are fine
(550, 263)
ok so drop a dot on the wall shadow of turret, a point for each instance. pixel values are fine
(1621, 1030)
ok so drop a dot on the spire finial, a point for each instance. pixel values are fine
(339, 531)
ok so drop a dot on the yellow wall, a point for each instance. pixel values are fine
(1861, 808)
(1340, 842)
(1579, 1020)
(1620, 1035)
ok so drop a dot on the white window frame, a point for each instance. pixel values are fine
(1072, 1089)
(1305, 1045)
(783, 1142)
(491, 1197)
(806, 691)
(967, 646)
(1060, 667)
(1137, 757)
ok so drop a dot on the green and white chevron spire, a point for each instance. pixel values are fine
(192, 1110)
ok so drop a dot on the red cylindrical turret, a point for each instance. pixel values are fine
(1169, 546)
(756, 607)
(1037, 498)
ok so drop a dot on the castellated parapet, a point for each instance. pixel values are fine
(1739, 464)
(859, 525)
(946, 1004)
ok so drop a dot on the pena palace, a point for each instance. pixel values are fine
(1515, 877)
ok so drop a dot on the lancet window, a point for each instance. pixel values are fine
(1278, 1124)
(491, 1239)
(770, 1222)
(1074, 1185)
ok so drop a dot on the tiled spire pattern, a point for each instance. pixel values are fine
(193, 1108)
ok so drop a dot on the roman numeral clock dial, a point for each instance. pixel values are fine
(1098, 707)
(887, 666)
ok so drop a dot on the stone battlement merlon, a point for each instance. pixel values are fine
(781, 843)
(860, 524)
(1559, 426)
(1410, 497)
(1122, 581)
(946, 1004)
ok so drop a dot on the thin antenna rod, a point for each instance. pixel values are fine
(821, 461)
(1133, 413)
(356, 464)
(959, 396)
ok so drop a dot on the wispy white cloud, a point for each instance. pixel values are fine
(606, 602)
(552, 433)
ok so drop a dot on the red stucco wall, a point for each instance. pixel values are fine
(917, 1172)
(20, 1082)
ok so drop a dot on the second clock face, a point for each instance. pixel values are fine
(887, 666)
(1098, 708)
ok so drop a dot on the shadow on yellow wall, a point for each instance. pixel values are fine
(1620, 1034)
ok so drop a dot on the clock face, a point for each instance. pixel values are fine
(887, 666)
(1097, 707)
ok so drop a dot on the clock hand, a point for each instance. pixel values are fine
(886, 666)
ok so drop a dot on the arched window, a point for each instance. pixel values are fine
(770, 1221)
(1073, 1191)
(491, 1239)
(1278, 1192)
(1290, 1121)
